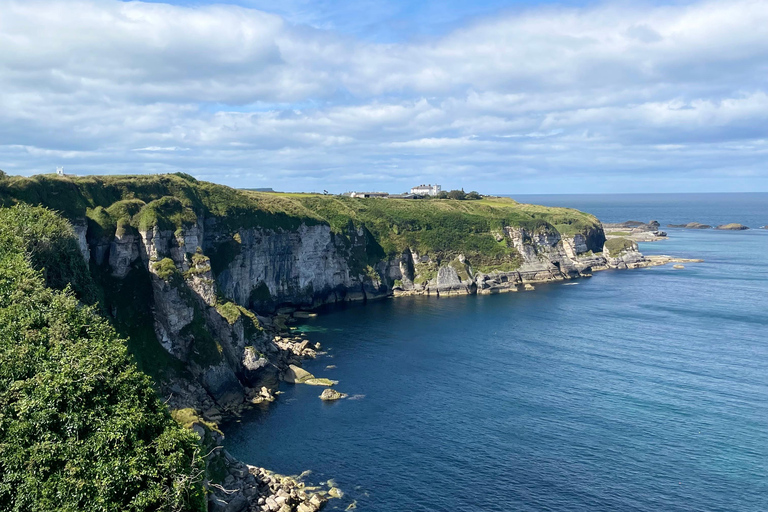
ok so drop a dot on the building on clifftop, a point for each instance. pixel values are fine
(426, 190)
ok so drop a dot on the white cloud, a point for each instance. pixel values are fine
(243, 96)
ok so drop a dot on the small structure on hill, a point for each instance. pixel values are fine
(366, 194)
(426, 190)
(60, 172)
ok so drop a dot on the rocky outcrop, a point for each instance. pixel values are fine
(81, 229)
(246, 488)
(690, 225)
(732, 227)
(635, 230)
(330, 395)
(626, 257)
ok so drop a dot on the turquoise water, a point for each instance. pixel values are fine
(632, 390)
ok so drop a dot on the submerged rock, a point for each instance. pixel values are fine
(732, 227)
(678, 266)
(690, 225)
(331, 394)
(319, 381)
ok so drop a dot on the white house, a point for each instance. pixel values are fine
(426, 190)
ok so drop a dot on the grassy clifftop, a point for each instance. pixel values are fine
(120, 203)
(440, 224)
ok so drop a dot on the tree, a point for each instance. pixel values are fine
(473, 195)
(457, 194)
(80, 427)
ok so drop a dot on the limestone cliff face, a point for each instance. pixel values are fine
(545, 256)
(303, 268)
(208, 279)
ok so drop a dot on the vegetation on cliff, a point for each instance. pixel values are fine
(80, 427)
(616, 246)
(440, 227)
(446, 227)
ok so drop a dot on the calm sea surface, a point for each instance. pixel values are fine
(643, 390)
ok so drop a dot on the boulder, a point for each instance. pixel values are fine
(296, 375)
(331, 394)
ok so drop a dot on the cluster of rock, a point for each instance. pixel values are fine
(636, 230)
(697, 225)
(253, 489)
(297, 345)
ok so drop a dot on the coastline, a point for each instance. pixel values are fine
(269, 493)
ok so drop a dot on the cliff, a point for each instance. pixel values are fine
(193, 273)
(199, 278)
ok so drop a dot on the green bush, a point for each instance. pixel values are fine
(80, 427)
(617, 246)
(50, 246)
(166, 270)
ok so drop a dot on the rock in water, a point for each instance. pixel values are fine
(732, 227)
(678, 266)
(296, 375)
(331, 394)
(320, 382)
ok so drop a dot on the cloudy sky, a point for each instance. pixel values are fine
(500, 96)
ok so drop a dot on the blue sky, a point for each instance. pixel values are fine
(497, 96)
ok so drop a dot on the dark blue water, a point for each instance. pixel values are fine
(633, 390)
(750, 209)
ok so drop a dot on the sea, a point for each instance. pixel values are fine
(636, 390)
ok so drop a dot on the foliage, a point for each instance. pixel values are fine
(80, 427)
(616, 246)
(229, 311)
(166, 270)
(130, 301)
(49, 244)
(188, 417)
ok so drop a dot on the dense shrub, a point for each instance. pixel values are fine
(80, 427)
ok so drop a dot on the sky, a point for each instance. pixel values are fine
(502, 97)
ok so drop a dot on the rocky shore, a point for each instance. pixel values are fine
(246, 488)
(636, 231)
